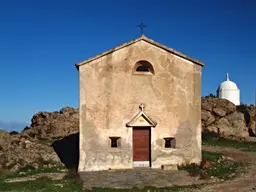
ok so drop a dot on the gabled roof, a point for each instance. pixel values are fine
(141, 38)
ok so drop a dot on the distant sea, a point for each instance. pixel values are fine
(12, 126)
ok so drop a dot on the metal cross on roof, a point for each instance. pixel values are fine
(141, 26)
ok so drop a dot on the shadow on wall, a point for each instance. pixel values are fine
(68, 151)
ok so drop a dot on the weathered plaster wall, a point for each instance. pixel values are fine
(110, 96)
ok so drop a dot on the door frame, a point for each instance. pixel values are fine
(142, 163)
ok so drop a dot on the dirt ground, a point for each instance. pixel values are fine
(244, 182)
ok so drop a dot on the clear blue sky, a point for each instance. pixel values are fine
(40, 41)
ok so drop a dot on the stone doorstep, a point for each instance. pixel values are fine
(169, 167)
(141, 164)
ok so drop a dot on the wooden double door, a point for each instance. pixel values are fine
(142, 145)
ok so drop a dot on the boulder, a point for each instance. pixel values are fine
(54, 125)
(219, 111)
(207, 118)
(221, 106)
(220, 116)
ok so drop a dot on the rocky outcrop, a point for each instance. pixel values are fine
(19, 151)
(34, 147)
(221, 116)
(54, 125)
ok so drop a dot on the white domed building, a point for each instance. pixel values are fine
(229, 90)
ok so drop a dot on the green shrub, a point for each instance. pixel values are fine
(14, 133)
(219, 169)
(3, 174)
(209, 135)
(224, 142)
(211, 156)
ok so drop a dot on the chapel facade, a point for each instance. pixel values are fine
(140, 105)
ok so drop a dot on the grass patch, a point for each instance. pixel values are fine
(28, 171)
(46, 185)
(224, 171)
(3, 174)
(42, 184)
(212, 139)
(211, 156)
(45, 141)
(220, 169)
(148, 189)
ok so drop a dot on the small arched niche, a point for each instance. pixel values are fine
(143, 68)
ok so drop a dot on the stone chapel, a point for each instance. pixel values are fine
(140, 105)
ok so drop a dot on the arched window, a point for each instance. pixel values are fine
(143, 67)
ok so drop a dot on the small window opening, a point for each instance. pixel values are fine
(143, 67)
(115, 142)
(170, 142)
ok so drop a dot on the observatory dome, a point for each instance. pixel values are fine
(227, 85)
(229, 90)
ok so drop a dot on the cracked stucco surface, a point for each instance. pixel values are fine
(110, 96)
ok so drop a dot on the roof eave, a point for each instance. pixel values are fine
(175, 52)
(134, 41)
(107, 52)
